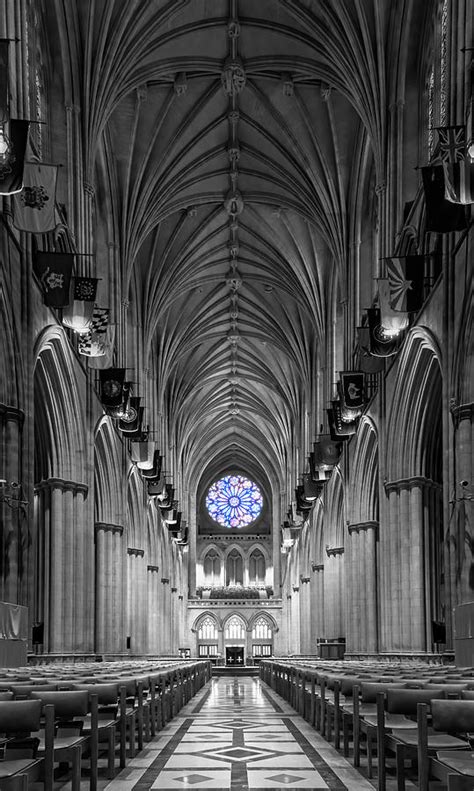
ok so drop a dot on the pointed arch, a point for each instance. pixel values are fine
(59, 418)
(365, 467)
(108, 506)
(414, 416)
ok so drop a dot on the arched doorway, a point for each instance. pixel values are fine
(235, 634)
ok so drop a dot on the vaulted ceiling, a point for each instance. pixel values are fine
(231, 143)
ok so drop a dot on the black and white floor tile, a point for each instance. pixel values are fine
(236, 735)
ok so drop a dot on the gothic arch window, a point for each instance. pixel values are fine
(256, 567)
(212, 568)
(208, 629)
(235, 629)
(234, 568)
(234, 501)
(262, 629)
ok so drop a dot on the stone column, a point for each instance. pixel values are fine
(174, 621)
(165, 617)
(362, 595)
(409, 596)
(317, 605)
(109, 585)
(460, 584)
(61, 521)
(153, 609)
(295, 647)
(333, 592)
(136, 599)
(305, 615)
(14, 514)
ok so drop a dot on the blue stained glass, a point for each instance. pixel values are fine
(234, 501)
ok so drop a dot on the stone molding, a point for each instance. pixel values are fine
(139, 553)
(108, 528)
(371, 524)
(59, 483)
(11, 413)
(304, 580)
(317, 566)
(152, 568)
(174, 590)
(333, 551)
(410, 483)
(165, 580)
(461, 412)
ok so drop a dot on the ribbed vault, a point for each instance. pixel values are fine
(230, 139)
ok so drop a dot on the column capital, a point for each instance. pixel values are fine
(460, 412)
(60, 483)
(12, 413)
(333, 551)
(317, 566)
(356, 527)
(139, 553)
(152, 568)
(165, 580)
(174, 590)
(108, 528)
(409, 483)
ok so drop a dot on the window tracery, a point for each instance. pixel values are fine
(208, 629)
(235, 629)
(234, 501)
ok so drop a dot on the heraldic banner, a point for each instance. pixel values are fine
(34, 205)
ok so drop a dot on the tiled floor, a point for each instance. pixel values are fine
(237, 734)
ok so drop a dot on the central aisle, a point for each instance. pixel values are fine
(237, 734)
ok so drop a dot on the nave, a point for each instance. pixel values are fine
(238, 734)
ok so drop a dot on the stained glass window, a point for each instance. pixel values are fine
(234, 501)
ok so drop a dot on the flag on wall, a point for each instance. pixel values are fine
(131, 423)
(338, 429)
(79, 313)
(459, 182)
(326, 451)
(381, 344)
(367, 362)
(111, 386)
(393, 322)
(442, 216)
(34, 206)
(11, 165)
(54, 271)
(352, 389)
(452, 143)
(311, 489)
(319, 471)
(155, 470)
(93, 342)
(156, 488)
(4, 72)
(106, 360)
(406, 277)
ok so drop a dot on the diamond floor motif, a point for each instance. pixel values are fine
(193, 779)
(267, 745)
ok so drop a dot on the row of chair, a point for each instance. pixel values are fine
(396, 713)
(63, 721)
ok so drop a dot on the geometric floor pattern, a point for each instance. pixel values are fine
(235, 735)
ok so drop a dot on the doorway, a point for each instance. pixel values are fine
(234, 655)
